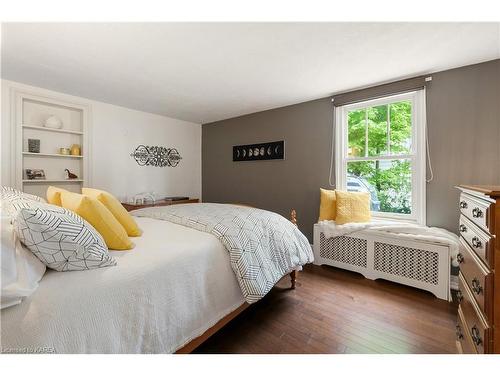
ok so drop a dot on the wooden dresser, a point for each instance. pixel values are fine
(478, 323)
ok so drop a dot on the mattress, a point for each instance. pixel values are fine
(175, 284)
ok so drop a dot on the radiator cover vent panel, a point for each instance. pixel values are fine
(413, 261)
(416, 264)
(344, 249)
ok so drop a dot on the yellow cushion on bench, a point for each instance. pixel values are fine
(352, 207)
(327, 209)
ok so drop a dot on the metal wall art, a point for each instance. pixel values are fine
(259, 151)
(156, 156)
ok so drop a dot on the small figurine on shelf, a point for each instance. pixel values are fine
(69, 175)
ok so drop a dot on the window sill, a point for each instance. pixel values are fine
(399, 219)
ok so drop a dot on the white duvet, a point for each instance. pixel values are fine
(175, 284)
(262, 245)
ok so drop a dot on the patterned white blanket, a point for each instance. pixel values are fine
(263, 246)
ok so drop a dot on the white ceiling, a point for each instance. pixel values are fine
(204, 72)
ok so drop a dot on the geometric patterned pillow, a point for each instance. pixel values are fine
(8, 193)
(61, 239)
(13, 205)
(13, 200)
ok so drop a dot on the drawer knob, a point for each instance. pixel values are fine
(458, 332)
(463, 228)
(476, 286)
(476, 242)
(460, 258)
(460, 296)
(476, 212)
(463, 204)
(476, 336)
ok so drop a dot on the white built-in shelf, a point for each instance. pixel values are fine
(32, 110)
(52, 181)
(52, 130)
(52, 155)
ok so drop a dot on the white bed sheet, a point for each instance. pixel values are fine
(175, 284)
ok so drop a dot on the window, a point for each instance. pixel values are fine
(380, 149)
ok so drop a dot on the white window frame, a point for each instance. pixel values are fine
(416, 155)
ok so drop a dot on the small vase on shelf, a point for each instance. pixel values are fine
(75, 150)
(34, 146)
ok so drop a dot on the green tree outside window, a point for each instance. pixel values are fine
(384, 130)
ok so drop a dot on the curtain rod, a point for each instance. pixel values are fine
(385, 89)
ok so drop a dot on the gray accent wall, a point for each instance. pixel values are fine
(463, 113)
(463, 119)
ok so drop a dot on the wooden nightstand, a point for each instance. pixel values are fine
(131, 207)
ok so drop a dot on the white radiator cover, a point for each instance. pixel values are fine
(420, 264)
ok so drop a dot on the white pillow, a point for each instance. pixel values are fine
(60, 238)
(21, 270)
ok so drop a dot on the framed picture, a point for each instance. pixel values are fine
(259, 151)
(35, 174)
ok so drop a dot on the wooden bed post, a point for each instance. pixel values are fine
(293, 217)
(293, 274)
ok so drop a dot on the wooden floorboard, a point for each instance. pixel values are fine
(337, 311)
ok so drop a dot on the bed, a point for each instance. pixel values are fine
(163, 297)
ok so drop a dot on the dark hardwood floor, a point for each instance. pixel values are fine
(336, 311)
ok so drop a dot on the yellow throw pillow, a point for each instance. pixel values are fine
(327, 206)
(116, 208)
(54, 195)
(99, 217)
(352, 207)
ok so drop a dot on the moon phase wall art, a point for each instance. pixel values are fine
(156, 156)
(259, 151)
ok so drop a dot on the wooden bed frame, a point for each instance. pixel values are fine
(193, 344)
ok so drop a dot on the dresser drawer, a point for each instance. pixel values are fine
(477, 210)
(464, 340)
(477, 276)
(479, 241)
(477, 326)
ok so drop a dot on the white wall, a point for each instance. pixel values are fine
(115, 133)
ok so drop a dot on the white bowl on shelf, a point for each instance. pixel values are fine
(53, 122)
